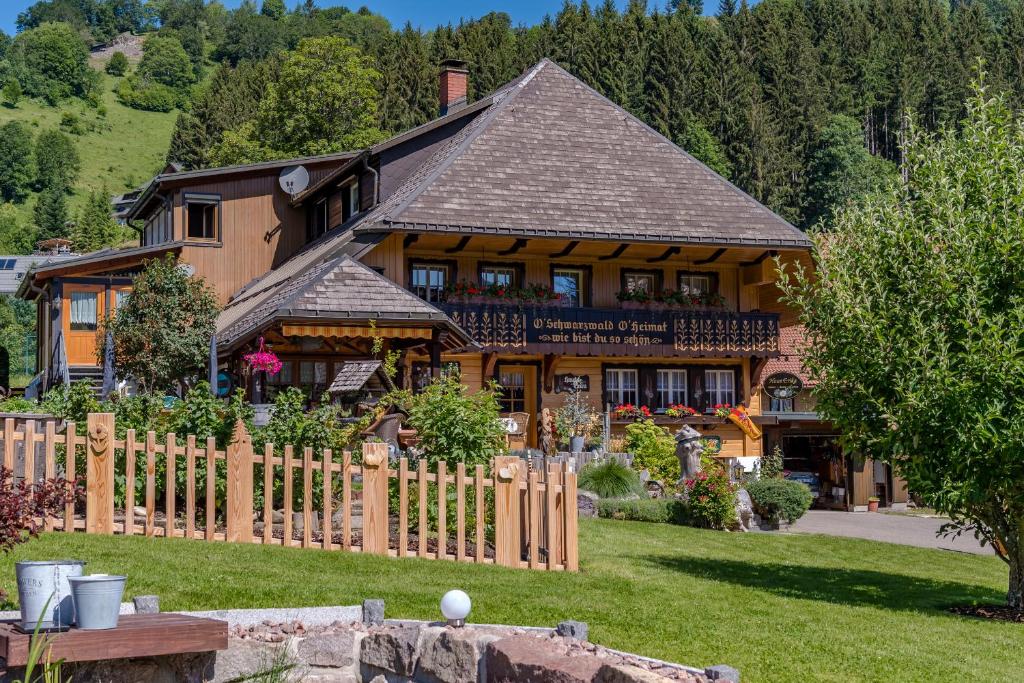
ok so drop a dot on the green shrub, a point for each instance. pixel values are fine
(660, 510)
(610, 479)
(653, 449)
(710, 500)
(118, 64)
(19, 404)
(771, 464)
(147, 95)
(780, 499)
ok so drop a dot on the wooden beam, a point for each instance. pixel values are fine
(550, 365)
(615, 254)
(460, 246)
(490, 360)
(565, 252)
(710, 259)
(410, 240)
(762, 257)
(519, 244)
(671, 251)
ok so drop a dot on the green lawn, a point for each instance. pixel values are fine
(778, 607)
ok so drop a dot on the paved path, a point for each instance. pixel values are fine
(902, 529)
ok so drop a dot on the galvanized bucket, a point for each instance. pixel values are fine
(45, 593)
(97, 600)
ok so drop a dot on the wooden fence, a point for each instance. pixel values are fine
(507, 514)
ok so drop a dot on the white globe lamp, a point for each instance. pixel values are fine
(455, 606)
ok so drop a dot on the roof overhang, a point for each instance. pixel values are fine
(96, 263)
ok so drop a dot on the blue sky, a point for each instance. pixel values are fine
(422, 13)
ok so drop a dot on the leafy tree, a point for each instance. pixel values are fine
(95, 227)
(15, 236)
(165, 61)
(325, 100)
(842, 170)
(50, 213)
(12, 92)
(274, 9)
(118, 64)
(916, 317)
(17, 165)
(162, 332)
(147, 96)
(51, 61)
(57, 161)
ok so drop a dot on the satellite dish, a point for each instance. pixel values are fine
(294, 179)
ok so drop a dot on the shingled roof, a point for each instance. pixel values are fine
(337, 289)
(554, 158)
(792, 343)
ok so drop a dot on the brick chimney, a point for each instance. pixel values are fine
(454, 81)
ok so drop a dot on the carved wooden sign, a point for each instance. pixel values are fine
(565, 383)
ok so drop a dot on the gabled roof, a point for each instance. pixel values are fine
(101, 261)
(334, 290)
(792, 343)
(354, 375)
(14, 268)
(553, 158)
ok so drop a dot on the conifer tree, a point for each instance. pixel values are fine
(50, 214)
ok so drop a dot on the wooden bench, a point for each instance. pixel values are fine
(136, 635)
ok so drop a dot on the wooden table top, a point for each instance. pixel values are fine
(136, 635)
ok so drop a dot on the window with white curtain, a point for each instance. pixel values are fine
(83, 311)
(620, 385)
(719, 386)
(671, 388)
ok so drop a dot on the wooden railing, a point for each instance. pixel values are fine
(507, 514)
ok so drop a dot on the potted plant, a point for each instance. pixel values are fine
(873, 504)
(263, 360)
(575, 419)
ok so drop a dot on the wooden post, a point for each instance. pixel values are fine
(375, 498)
(325, 523)
(69, 473)
(99, 474)
(442, 510)
(507, 513)
(572, 556)
(171, 480)
(9, 446)
(403, 507)
(239, 503)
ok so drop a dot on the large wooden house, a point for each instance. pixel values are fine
(534, 236)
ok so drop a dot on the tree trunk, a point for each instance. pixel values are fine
(1015, 595)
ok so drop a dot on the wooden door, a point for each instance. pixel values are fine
(83, 310)
(519, 395)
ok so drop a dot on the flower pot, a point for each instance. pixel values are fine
(872, 506)
(576, 444)
(44, 593)
(97, 600)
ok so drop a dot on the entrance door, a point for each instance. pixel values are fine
(519, 395)
(83, 311)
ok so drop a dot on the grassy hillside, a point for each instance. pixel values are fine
(120, 149)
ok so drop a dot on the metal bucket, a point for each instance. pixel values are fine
(97, 600)
(45, 593)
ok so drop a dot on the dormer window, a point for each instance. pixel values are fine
(349, 200)
(202, 217)
(320, 219)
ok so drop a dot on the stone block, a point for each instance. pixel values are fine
(242, 658)
(577, 630)
(722, 672)
(336, 650)
(373, 612)
(626, 673)
(147, 604)
(392, 650)
(451, 655)
(525, 658)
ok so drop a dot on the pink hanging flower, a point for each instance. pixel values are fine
(263, 360)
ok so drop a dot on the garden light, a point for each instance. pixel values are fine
(455, 606)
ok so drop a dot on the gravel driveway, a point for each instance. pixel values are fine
(891, 528)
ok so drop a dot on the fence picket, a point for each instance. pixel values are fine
(478, 498)
(150, 483)
(69, 471)
(190, 486)
(532, 497)
(29, 448)
(49, 463)
(507, 511)
(268, 492)
(211, 488)
(572, 560)
(170, 452)
(375, 498)
(403, 507)
(551, 516)
(307, 497)
(460, 512)
(9, 445)
(421, 481)
(346, 500)
(288, 506)
(325, 524)
(442, 510)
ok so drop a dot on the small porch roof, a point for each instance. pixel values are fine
(332, 299)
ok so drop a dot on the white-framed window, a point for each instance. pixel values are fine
(120, 296)
(321, 218)
(694, 283)
(781, 405)
(202, 217)
(498, 275)
(83, 311)
(620, 385)
(640, 282)
(719, 387)
(349, 200)
(671, 388)
(568, 283)
(428, 281)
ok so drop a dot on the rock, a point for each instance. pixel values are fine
(577, 630)
(526, 658)
(146, 604)
(451, 655)
(626, 673)
(339, 650)
(744, 510)
(242, 658)
(722, 672)
(373, 612)
(277, 516)
(586, 503)
(140, 512)
(393, 650)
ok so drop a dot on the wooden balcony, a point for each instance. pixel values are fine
(511, 328)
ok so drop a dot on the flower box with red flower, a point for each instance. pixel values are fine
(628, 411)
(679, 410)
